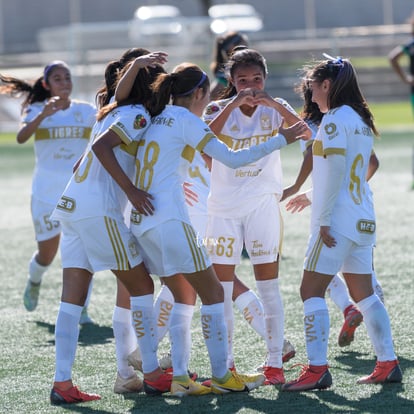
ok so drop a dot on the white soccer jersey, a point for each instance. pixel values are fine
(198, 175)
(343, 132)
(92, 191)
(162, 159)
(59, 142)
(235, 192)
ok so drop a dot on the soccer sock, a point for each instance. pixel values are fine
(125, 340)
(180, 337)
(36, 271)
(316, 329)
(377, 287)
(338, 292)
(66, 339)
(250, 306)
(145, 326)
(229, 318)
(378, 327)
(215, 334)
(163, 306)
(273, 318)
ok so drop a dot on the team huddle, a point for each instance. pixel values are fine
(158, 180)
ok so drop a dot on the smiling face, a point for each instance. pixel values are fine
(59, 82)
(250, 76)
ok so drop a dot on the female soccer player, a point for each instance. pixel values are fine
(344, 235)
(61, 127)
(337, 289)
(241, 198)
(95, 236)
(167, 240)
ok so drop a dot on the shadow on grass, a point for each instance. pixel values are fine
(90, 334)
(363, 364)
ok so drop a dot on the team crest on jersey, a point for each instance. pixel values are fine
(265, 123)
(140, 122)
(212, 108)
(330, 130)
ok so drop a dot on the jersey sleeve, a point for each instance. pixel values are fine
(213, 109)
(333, 133)
(130, 125)
(30, 112)
(235, 159)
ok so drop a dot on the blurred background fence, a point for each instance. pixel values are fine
(88, 34)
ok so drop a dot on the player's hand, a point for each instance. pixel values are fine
(151, 59)
(141, 200)
(300, 130)
(326, 236)
(53, 105)
(244, 97)
(261, 97)
(298, 203)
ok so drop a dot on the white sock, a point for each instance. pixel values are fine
(274, 320)
(378, 327)
(250, 306)
(316, 328)
(66, 339)
(215, 334)
(377, 287)
(338, 292)
(229, 318)
(125, 340)
(145, 326)
(36, 271)
(163, 306)
(180, 337)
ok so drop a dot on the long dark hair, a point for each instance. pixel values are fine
(35, 92)
(112, 74)
(242, 57)
(140, 93)
(344, 88)
(180, 84)
(310, 110)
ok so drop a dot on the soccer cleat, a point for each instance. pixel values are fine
(384, 371)
(127, 385)
(182, 386)
(234, 382)
(161, 385)
(312, 377)
(31, 295)
(288, 351)
(274, 376)
(85, 318)
(353, 318)
(134, 360)
(71, 396)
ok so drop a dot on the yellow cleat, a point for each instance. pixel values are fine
(234, 382)
(183, 385)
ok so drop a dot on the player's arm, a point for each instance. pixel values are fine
(124, 85)
(303, 174)
(373, 165)
(394, 57)
(27, 129)
(245, 96)
(103, 149)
